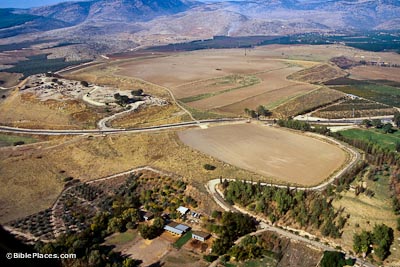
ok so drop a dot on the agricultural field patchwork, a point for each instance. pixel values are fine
(223, 82)
(307, 102)
(354, 108)
(318, 74)
(80, 202)
(380, 93)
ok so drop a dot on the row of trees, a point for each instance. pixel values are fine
(232, 225)
(305, 208)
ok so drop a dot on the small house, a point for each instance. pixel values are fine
(176, 228)
(182, 210)
(200, 235)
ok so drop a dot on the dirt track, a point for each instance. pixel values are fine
(269, 151)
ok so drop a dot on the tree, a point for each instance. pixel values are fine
(383, 238)
(138, 92)
(253, 114)
(398, 146)
(209, 167)
(387, 128)
(367, 123)
(84, 83)
(396, 119)
(335, 259)
(377, 123)
(362, 242)
(262, 111)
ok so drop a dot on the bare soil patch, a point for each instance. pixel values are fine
(272, 152)
(187, 67)
(149, 251)
(269, 99)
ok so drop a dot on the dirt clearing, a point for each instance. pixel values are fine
(272, 152)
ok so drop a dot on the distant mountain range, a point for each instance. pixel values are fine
(147, 22)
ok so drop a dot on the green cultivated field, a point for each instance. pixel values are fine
(183, 240)
(384, 140)
(122, 238)
(10, 140)
(385, 94)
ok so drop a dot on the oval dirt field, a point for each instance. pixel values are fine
(269, 151)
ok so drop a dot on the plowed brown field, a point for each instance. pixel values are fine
(272, 152)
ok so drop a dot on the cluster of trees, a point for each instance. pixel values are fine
(377, 123)
(306, 208)
(119, 212)
(380, 239)
(166, 194)
(335, 259)
(303, 126)
(260, 111)
(231, 226)
(88, 246)
(124, 100)
(251, 247)
(154, 230)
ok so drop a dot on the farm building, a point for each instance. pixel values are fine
(182, 210)
(176, 228)
(201, 236)
(148, 216)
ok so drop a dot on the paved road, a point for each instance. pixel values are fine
(265, 226)
(115, 131)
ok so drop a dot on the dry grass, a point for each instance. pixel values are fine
(367, 212)
(150, 116)
(104, 75)
(91, 158)
(183, 258)
(25, 110)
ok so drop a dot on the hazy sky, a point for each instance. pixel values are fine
(27, 3)
(34, 3)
